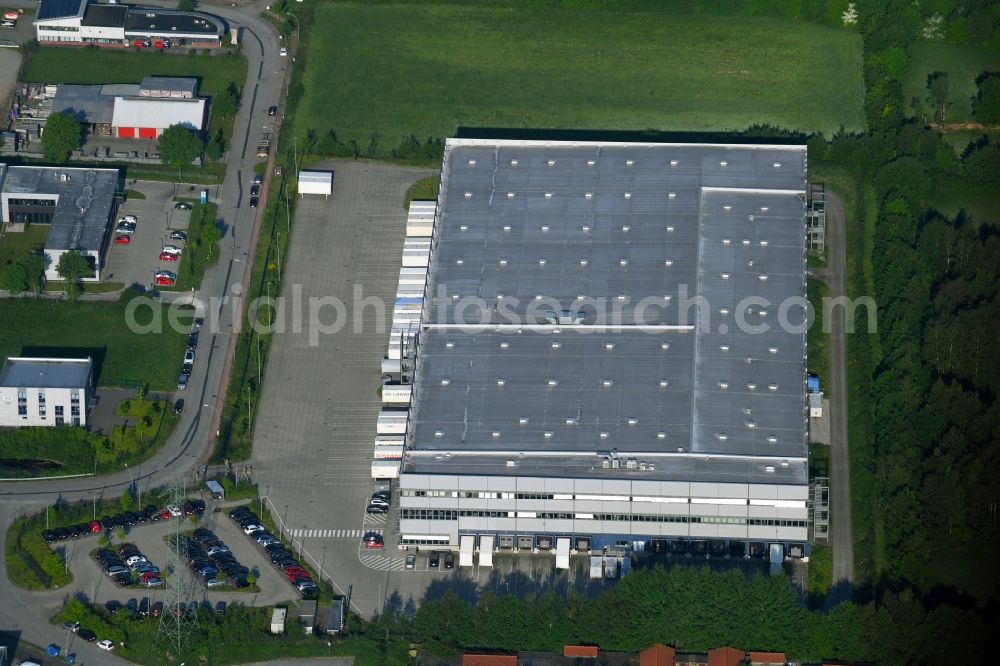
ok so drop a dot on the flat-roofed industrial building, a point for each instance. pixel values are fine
(45, 391)
(601, 357)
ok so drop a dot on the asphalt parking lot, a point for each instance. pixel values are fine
(316, 419)
(150, 538)
(136, 262)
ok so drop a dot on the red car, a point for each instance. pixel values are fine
(167, 256)
(164, 515)
(163, 281)
(158, 44)
(138, 43)
(295, 572)
(95, 526)
(123, 240)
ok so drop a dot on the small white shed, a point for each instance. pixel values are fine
(315, 182)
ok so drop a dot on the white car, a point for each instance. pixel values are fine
(131, 219)
(106, 645)
(250, 529)
(174, 511)
(283, 51)
(136, 559)
(172, 249)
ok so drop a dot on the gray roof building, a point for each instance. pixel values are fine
(46, 373)
(82, 201)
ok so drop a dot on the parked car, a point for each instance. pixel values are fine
(87, 635)
(252, 527)
(95, 526)
(125, 229)
(182, 205)
(214, 582)
(283, 51)
(449, 561)
(253, 202)
(106, 645)
(178, 406)
(153, 582)
(373, 540)
(128, 219)
(166, 256)
(172, 249)
(258, 178)
(254, 190)
(272, 110)
(165, 281)
(124, 239)
(49, 536)
(410, 562)
(434, 561)
(377, 508)
(178, 235)
(71, 626)
(189, 357)
(182, 383)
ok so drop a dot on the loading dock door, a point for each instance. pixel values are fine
(486, 550)
(147, 132)
(596, 568)
(466, 545)
(126, 132)
(562, 553)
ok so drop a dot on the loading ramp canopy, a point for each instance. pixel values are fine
(466, 545)
(562, 553)
(486, 551)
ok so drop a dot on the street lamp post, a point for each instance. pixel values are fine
(130, 479)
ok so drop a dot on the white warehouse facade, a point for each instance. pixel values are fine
(45, 391)
(600, 360)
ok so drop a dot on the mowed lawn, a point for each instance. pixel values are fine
(92, 66)
(393, 70)
(962, 64)
(99, 330)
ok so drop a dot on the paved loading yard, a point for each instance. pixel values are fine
(316, 424)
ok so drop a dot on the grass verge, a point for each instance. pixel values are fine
(123, 357)
(14, 246)
(442, 66)
(425, 189)
(818, 337)
(820, 576)
(134, 194)
(55, 286)
(200, 251)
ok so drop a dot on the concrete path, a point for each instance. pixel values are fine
(841, 536)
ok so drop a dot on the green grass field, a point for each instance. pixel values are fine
(99, 330)
(393, 70)
(14, 246)
(91, 66)
(962, 63)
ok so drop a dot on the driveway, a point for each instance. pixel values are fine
(841, 536)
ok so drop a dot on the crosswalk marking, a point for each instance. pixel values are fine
(383, 563)
(330, 533)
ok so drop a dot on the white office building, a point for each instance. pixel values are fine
(45, 391)
(601, 360)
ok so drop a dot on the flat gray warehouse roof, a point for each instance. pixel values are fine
(83, 208)
(580, 264)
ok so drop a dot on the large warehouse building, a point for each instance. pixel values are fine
(629, 384)
(68, 22)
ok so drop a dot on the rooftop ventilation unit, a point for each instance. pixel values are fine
(506, 227)
(510, 195)
(769, 469)
(628, 195)
(468, 195)
(588, 195)
(463, 227)
(674, 162)
(723, 163)
(500, 382)
(591, 162)
(472, 162)
(670, 228)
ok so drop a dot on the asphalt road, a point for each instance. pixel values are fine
(841, 536)
(188, 447)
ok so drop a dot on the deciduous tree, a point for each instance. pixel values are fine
(178, 146)
(73, 266)
(60, 137)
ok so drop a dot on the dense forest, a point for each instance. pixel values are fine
(927, 391)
